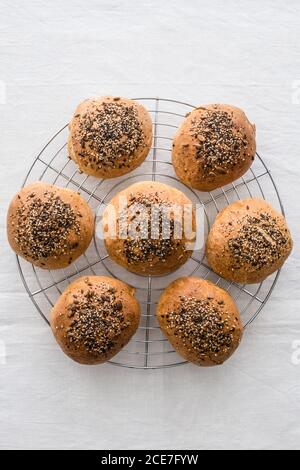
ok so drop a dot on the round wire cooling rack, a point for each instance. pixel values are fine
(148, 349)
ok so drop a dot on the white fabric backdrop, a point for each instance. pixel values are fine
(53, 54)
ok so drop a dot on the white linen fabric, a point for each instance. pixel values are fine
(54, 54)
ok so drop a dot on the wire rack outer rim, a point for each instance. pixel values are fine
(154, 161)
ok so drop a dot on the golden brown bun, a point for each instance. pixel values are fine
(139, 254)
(49, 226)
(214, 146)
(109, 136)
(248, 241)
(94, 319)
(200, 320)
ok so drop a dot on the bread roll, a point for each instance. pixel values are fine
(109, 136)
(94, 319)
(157, 237)
(248, 241)
(214, 146)
(200, 320)
(49, 226)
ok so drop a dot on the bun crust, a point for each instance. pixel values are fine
(248, 241)
(138, 253)
(109, 136)
(49, 226)
(214, 146)
(200, 320)
(94, 319)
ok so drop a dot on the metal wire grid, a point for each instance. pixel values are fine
(148, 349)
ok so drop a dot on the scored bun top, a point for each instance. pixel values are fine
(248, 241)
(200, 320)
(214, 145)
(49, 226)
(109, 136)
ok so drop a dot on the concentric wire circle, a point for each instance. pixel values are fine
(148, 349)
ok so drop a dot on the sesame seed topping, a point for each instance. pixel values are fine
(43, 226)
(97, 321)
(110, 135)
(143, 247)
(202, 324)
(259, 242)
(220, 143)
